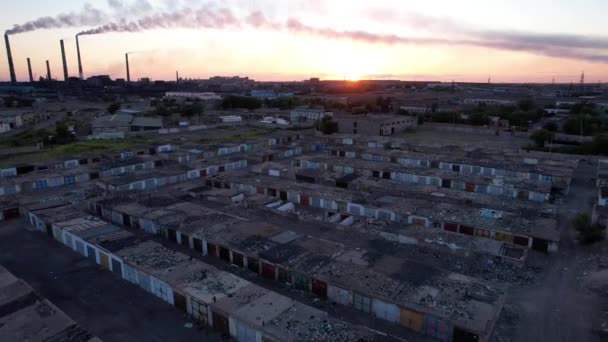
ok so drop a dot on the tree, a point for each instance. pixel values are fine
(62, 134)
(434, 107)
(420, 119)
(114, 107)
(526, 104)
(162, 110)
(550, 126)
(247, 102)
(283, 103)
(25, 102)
(587, 232)
(326, 125)
(384, 104)
(600, 144)
(192, 109)
(541, 136)
(583, 124)
(9, 101)
(478, 119)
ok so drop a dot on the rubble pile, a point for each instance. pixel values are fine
(478, 266)
(321, 329)
(159, 258)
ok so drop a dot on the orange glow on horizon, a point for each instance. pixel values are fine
(352, 77)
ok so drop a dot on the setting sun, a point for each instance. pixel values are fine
(352, 77)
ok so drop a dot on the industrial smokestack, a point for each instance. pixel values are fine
(9, 55)
(48, 71)
(29, 70)
(128, 71)
(80, 74)
(65, 63)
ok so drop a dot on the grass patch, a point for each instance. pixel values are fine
(73, 149)
(229, 138)
(26, 138)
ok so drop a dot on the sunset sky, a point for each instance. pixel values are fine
(445, 40)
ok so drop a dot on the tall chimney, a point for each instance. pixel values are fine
(48, 71)
(65, 63)
(128, 71)
(9, 55)
(80, 74)
(29, 70)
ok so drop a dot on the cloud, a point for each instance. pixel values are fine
(553, 45)
(559, 46)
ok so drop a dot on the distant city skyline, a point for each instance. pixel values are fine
(464, 41)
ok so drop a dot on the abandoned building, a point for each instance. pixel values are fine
(346, 219)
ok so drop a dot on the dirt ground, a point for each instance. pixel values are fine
(428, 136)
(559, 307)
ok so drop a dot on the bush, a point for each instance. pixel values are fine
(113, 108)
(326, 125)
(550, 126)
(540, 137)
(246, 102)
(587, 233)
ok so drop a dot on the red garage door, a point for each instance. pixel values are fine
(268, 271)
(521, 240)
(319, 288)
(451, 227)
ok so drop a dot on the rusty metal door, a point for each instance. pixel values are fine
(221, 324)
(104, 260)
(180, 301)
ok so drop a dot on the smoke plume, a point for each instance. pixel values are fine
(206, 17)
(87, 16)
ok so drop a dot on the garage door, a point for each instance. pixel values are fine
(221, 324)
(117, 267)
(104, 260)
(91, 254)
(180, 301)
(412, 320)
(198, 245)
(199, 311)
(268, 271)
(461, 335)
(319, 288)
(144, 282)
(362, 303)
(244, 333)
(11, 213)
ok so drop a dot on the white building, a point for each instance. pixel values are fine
(277, 121)
(10, 119)
(557, 111)
(416, 109)
(488, 102)
(207, 96)
(231, 119)
(308, 114)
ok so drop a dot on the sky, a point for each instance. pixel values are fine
(442, 40)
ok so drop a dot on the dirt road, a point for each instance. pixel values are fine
(557, 308)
